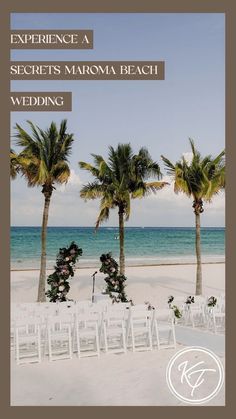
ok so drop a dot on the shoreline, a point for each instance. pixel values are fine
(130, 266)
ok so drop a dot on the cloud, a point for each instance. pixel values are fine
(165, 208)
(217, 204)
(168, 195)
(73, 185)
(188, 156)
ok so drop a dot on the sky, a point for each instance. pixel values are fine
(160, 115)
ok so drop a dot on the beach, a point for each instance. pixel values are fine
(144, 283)
(132, 379)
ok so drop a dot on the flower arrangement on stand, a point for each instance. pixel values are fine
(170, 300)
(190, 300)
(115, 282)
(64, 270)
(149, 305)
(211, 302)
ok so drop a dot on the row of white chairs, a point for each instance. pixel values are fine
(60, 330)
(200, 314)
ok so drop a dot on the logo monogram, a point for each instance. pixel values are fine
(187, 373)
(195, 382)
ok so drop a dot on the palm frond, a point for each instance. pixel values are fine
(155, 186)
(201, 179)
(92, 190)
(61, 172)
(119, 179)
(44, 154)
(86, 166)
(170, 167)
(103, 216)
(14, 164)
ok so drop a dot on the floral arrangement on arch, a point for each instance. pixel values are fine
(64, 270)
(115, 282)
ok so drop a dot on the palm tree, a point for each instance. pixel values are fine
(201, 179)
(44, 162)
(14, 164)
(122, 177)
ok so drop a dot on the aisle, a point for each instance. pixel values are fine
(188, 336)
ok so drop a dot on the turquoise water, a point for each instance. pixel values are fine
(148, 245)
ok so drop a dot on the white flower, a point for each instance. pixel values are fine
(61, 288)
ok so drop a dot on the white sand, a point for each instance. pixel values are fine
(144, 283)
(132, 379)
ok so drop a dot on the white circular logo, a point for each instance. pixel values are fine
(195, 375)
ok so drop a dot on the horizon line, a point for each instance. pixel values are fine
(140, 226)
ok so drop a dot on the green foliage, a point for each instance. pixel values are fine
(43, 160)
(119, 179)
(64, 269)
(201, 179)
(175, 309)
(14, 164)
(115, 282)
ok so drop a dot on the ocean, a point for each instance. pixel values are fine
(143, 245)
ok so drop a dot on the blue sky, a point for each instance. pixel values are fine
(161, 115)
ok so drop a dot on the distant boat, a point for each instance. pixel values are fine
(116, 237)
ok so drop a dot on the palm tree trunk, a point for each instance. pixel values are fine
(42, 275)
(198, 255)
(121, 237)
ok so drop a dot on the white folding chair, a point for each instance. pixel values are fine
(215, 315)
(102, 298)
(66, 308)
(199, 299)
(81, 306)
(139, 329)
(59, 339)
(220, 305)
(114, 329)
(28, 340)
(46, 310)
(180, 299)
(139, 307)
(197, 315)
(218, 318)
(164, 328)
(86, 334)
